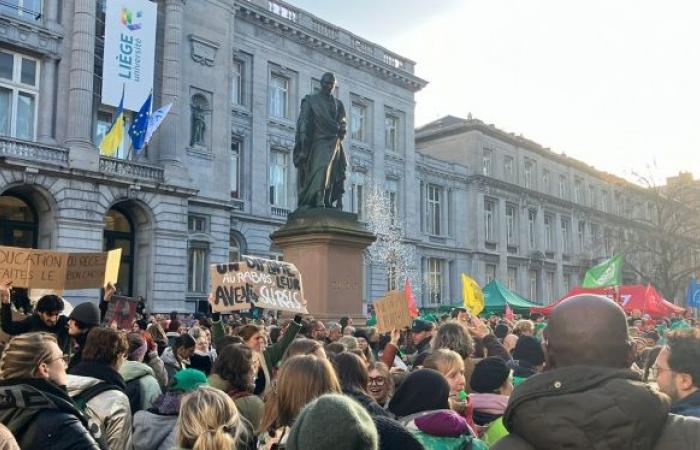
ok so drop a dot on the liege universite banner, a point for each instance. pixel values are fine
(130, 39)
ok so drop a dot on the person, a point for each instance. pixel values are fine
(421, 335)
(97, 387)
(317, 331)
(154, 361)
(154, 429)
(159, 337)
(209, 420)
(304, 346)
(301, 379)
(335, 332)
(47, 317)
(141, 384)
(7, 440)
(677, 370)
(453, 336)
(380, 384)
(528, 359)
(589, 398)
(491, 384)
(81, 320)
(333, 422)
(451, 366)
(354, 379)
(202, 358)
(318, 152)
(33, 366)
(178, 356)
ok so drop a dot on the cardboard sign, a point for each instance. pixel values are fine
(114, 258)
(43, 269)
(121, 310)
(85, 270)
(392, 312)
(257, 282)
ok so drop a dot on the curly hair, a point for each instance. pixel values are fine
(235, 365)
(453, 336)
(684, 348)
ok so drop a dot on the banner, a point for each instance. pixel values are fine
(130, 39)
(263, 283)
(85, 270)
(393, 312)
(121, 310)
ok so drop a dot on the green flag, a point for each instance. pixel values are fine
(607, 273)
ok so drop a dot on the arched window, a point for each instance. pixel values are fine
(18, 222)
(236, 246)
(119, 233)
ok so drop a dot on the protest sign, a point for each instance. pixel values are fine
(121, 310)
(46, 269)
(114, 258)
(85, 270)
(258, 282)
(393, 312)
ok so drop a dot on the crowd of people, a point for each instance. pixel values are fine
(586, 377)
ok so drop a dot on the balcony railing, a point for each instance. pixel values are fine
(32, 151)
(279, 212)
(131, 169)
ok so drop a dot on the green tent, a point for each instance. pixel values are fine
(496, 295)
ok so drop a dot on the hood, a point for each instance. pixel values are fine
(77, 384)
(132, 370)
(441, 422)
(153, 431)
(584, 407)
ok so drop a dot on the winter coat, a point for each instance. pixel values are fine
(172, 364)
(688, 406)
(154, 431)
(442, 429)
(582, 407)
(156, 363)
(251, 408)
(34, 323)
(367, 402)
(110, 409)
(47, 419)
(143, 375)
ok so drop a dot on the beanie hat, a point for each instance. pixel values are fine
(188, 379)
(86, 313)
(392, 435)
(528, 349)
(489, 375)
(422, 390)
(333, 421)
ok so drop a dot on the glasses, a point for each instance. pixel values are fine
(65, 359)
(655, 371)
(379, 381)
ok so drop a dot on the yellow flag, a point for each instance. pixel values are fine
(113, 139)
(472, 295)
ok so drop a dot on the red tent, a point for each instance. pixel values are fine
(631, 297)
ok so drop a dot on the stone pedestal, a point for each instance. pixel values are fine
(327, 246)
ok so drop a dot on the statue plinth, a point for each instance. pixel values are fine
(327, 247)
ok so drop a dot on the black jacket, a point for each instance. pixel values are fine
(34, 323)
(41, 415)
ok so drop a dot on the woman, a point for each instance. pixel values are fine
(159, 337)
(33, 366)
(354, 379)
(492, 384)
(141, 384)
(177, 357)
(300, 380)
(421, 404)
(453, 336)
(209, 420)
(451, 366)
(202, 359)
(380, 384)
(528, 359)
(304, 346)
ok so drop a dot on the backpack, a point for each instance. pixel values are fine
(81, 400)
(133, 391)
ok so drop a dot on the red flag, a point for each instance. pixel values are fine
(509, 313)
(408, 289)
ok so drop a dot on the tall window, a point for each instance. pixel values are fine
(279, 162)
(578, 191)
(234, 248)
(237, 80)
(434, 210)
(435, 280)
(545, 181)
(508, 168)
(357, 191)
(562, 186)
(489, 218)
(581, 235)
(392, 195)
(565, 235)
(27, 9)
(358, 126)
(196, 269)
(548, 232)
(529, 174)
(511, 227)
(391, 277)
(19, 89)
(550, 287)
(533, 285)
(490, 272)
(487, 164)
(568, 281)
(532, 227)
(279, 96)
(235, 170)
(391, 127)
(604, 201)
(595, 234)
(591, 196)
(512, 278)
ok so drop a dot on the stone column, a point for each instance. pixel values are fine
(47, 101)
(83, 153)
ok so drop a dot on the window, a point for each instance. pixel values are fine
(512, 278)
(487, 165)
(533, 285)
(28, 9)
(604, 201)
(196, 224)
(581, 235)
(237, 80)
(357, 191)
(19, 79)
(591, 196)
(490, 272)
(434, 280)
(550, 287)
(234, 248)
(391, 277)
(391, 126)
(434, 210)
(565, 235)
(532, 227)
(545, 181)
(511, 227)
(548, 232)
(489, 218)
(278, 178)
(235, 169)
(279, 96)
(578, 191)
(562, 186)
(358, 126)
(282, 11)
(529, 174)
(196, 269)
(392, 195)
(595, 234)
(508, 168)
(568, 281)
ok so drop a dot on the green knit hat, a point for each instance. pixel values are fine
(333, 422)
(188, 379)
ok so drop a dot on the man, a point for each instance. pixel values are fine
(678, 371)
(421, 334)
(318, 151)
(317, 331)
(589, 398)
(335, 332)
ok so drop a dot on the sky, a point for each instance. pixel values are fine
(615, 84)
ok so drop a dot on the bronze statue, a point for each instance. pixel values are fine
(318, 149)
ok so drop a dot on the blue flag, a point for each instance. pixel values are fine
(693, 295)
(137, 130)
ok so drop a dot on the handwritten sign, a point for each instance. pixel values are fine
(392, 312)
(258, 282)
(85, 270)
(114, 258)
(121, 310)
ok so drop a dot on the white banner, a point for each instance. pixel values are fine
(130, 40)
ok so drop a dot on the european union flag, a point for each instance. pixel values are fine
(693, 295)
(137, 130)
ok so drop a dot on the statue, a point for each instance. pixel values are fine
(318, 150)
(199, 123)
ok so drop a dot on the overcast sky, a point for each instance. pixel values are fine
(614, 83)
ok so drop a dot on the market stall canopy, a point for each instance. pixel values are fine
(496, 296)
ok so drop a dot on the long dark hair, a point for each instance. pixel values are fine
(234, 364)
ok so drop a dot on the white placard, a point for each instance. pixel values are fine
(130, 40)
